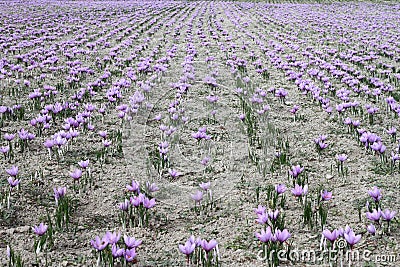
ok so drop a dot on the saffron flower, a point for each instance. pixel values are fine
(130, 254)
(59, 193)
(40, 230)
(325, 195)
(208, 245)
(135, 201)
(152, 187)
(173, 173)
(273, 215)
(371, 229)
(280, 188)
(149, 203)
(296, 171)
(124, 206)
(112, 238)
(117, 252)
(134, 187)
(99, 244)
(205, 161)
(331, 236)
(298, 190)
(341, 157)
(13, 182)
(265, 235)
(262, 218)
(375, 193)
(282, 236)
(260, 209)
(198, 196)
(205, 186)
(131, 242)
(188, 248)
(107, 143)
(375, 215)
(83, 164)
(352, 238)
(294, 109)
(76, 174)
(388, 215)
(13, 171)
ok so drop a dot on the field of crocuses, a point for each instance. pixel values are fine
(176, 133)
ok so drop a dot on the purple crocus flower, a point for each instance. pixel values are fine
(262, 218)
(152, 187)
(83, 164)
(130, 254)
(9, 137)
(205, 161)
(322, 145)
(134, 187)
(260, 210)
(158, 117)
(212, 98)
(124, 205)
(13, 171)
(40, 230)
(282, 236)
(298, 191)
(296, 170)
(99, 244)
(294, 109)
(188, 248)
(341, 157)
(198, 196)
(107, 143)
(280, 188)
(375, 193)
(76, 174)
(265, 235)
(103, 134)
(4, 149)
(112, 238)
(371, 229)
(13, 182)
(388, 215)
(117, 252)
(391, 131)
(135, 201)
(149, 203)
(273, 214)
(205, 186)
(208, 246)
(325, 195)
(173, 173)
(59, 193)
(375, 215)
(331, 236)
(352, 238)
(131, 242)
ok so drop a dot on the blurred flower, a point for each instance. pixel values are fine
(40, 230)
